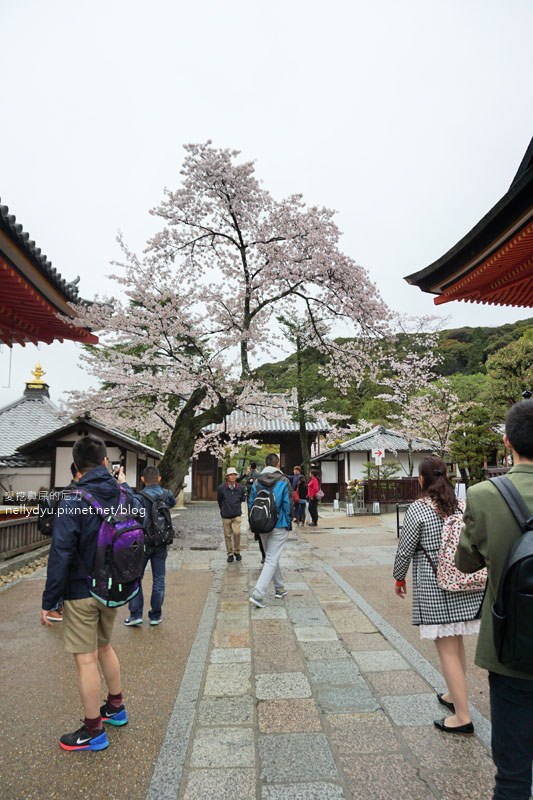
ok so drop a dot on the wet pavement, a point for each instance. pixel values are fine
(327, 693)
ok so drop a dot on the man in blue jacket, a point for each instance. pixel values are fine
(155, 554)
(273, 478)
(87, 623)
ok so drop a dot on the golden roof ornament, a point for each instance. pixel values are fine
(38, 373)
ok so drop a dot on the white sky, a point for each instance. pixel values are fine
(410, 118)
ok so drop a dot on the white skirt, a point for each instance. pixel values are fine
(449, 629)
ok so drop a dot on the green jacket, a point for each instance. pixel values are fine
(488, 532)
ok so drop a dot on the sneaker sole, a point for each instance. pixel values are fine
(257, 603)
(94, 745)
(281, 596)
(156, 621)
(133, 624)
(117, 723)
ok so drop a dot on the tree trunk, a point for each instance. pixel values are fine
(174, 465)
(302, 419)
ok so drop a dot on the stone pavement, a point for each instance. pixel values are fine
(325, 694)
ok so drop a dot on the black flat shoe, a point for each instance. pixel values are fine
(467, 729)
(446, 703)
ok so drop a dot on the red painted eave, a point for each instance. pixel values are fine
(506, 278)
(27, 317)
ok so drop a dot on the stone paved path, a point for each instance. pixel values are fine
(317, 696)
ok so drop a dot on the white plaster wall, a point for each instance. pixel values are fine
(329, 471)
(26, 480)
(63, 461)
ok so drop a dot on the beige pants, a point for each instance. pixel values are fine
(232, 528)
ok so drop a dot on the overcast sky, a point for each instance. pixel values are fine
(409, 118)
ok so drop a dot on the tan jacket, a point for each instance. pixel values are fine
(489, 531)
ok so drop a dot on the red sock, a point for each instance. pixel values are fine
(115, 700)
(93, 725)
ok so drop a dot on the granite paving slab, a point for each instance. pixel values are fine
(262, 627)
(234, 605)
(440, 751)
(239, 615)
(232, 710)
(362, 733)
(315, 634)
(231, 655)
(223, 747)
(303, 791)
(334, 672)
(227, 680)
(321, 651)
(307, 617)
(345, 699)
(274, 660)
(379, 660)
(265, 644)
(398, 682)
(296, 586)
(295, 757)
(221, 784)
(356, 622)
(288, 716)
(385, 777)
(229, 639)
(373, 640)
(413, 709)
(270, 612)
(282, 685)
(462, 783)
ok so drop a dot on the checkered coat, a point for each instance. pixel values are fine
(422, 527)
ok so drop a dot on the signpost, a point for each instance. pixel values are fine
(378, 455)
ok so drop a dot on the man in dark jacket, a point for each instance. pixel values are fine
(488, 534)
(155, 554)
(87, 623)
(230, 498)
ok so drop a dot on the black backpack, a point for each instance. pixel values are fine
(263, 513)
(48, 512)
(512, 613)
(158, 527)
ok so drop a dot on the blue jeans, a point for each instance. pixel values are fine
(157, 560)
(511, 705)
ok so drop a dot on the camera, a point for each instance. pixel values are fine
(115, 468)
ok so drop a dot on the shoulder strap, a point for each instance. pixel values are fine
(91, 501)
(515, 501)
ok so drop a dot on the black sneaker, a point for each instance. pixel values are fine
(238, 557)
(230, 559)
(83, 740)
(114, 716)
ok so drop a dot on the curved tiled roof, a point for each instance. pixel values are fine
(380, 437)
(15, 231)
(25, 419)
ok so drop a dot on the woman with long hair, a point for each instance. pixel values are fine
(441, 615)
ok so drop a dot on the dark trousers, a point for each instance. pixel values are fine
(157, 559)
(313, 510)
(511, 704)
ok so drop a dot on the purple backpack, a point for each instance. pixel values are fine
(119, 555)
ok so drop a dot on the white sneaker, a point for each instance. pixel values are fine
(256, 601)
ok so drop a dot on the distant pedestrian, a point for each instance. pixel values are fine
(444, 616)
(272, 478)
(299, 494)
(230, 497)
(313, 489)
(158, 534)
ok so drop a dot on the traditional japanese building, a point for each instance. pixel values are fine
(275, 425)
(36, 441)
(33, 292)
(493, 263)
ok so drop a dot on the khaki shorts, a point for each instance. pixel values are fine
(87, 625)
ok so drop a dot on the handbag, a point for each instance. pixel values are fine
(319, 495)
(295, 496)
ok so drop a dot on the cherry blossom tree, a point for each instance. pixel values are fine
(179, 353)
